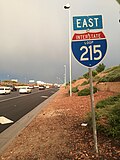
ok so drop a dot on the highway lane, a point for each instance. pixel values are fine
(14, 108)
(14, 94)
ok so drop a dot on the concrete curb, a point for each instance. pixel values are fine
(10, 133)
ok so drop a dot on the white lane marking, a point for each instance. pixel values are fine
(44, 96)
(4, 120)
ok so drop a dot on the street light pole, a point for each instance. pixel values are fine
(67, 6)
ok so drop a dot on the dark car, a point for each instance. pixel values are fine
(41, 87)
(12, 88)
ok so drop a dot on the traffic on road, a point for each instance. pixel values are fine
(14, 106)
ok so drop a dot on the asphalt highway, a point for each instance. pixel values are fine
(15, 105)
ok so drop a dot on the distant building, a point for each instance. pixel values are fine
(31, 81)
(40, 82)
(14, 80)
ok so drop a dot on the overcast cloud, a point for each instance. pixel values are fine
(34, 37)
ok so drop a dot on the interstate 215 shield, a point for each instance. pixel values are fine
(89, 48)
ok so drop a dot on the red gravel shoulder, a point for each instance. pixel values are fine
(56, 133)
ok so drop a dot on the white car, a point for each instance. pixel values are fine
(5, 90)
(25, 89)
(31, 87)
(47, 87)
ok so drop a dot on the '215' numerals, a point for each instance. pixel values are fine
(91, 50)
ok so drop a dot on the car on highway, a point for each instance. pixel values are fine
(41, 87)
(47, 87)
(13, 88)
(25, 89)
(5, 90)
(31, 87)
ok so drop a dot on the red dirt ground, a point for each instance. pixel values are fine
(56, 133)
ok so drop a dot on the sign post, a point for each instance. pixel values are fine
(89, 49)
(93, 111)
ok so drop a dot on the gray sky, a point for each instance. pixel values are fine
(34, 37)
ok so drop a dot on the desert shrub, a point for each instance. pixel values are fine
(75, 89)
(94, 73)
(96, 79)
(86, 75)
(86, 91)
(84, 83)
(100, 68)
(73, 81)
(103, 79)
(111, 69)
(114, 121)
(112, 76)
(108, 120)
(108, 117)
(115, 77)
(95, 89)
(67, 83)
(109, 101)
